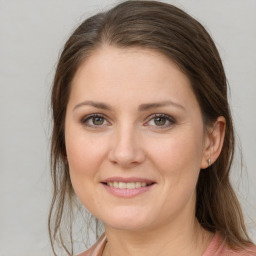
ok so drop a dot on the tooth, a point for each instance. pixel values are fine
(130, 185)
(137, 184)
(122, 185)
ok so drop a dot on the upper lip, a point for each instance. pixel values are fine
(127, 179)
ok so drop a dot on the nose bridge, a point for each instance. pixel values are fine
(126, 147)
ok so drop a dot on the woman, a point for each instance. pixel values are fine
(143, 135)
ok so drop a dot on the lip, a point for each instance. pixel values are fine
(128, 193)
(128, 179)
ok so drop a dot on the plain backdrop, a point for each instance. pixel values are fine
(32, 33)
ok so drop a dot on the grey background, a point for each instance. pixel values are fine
(32, 32)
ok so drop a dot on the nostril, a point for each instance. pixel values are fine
(126, 155)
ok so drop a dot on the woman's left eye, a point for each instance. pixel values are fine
(161, 121)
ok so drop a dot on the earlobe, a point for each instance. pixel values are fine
(214, 142)
(209, 161)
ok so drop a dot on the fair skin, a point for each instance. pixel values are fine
(135, 143)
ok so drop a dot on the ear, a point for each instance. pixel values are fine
(214, 139)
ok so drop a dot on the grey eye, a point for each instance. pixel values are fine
(160, 121)
(98, 120)
(94, 120)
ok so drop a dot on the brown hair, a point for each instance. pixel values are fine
(171, 31)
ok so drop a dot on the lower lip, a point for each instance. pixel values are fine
(127, 193)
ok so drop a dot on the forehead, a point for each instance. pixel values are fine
(134, 73)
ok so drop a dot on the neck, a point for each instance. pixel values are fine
(186, 239)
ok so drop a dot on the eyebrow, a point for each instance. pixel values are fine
(142, 107)
(145, 107)
(100, 105)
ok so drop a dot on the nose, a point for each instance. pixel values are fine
(126, 148)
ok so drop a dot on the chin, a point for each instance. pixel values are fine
(128, 226)
(127, 221)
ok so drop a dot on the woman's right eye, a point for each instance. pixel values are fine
(95, 120)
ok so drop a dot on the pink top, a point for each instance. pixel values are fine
(217, 247)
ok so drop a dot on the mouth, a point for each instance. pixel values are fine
(127, 187)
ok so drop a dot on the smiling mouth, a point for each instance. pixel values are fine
(128, 185)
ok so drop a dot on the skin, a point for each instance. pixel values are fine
(127, 140)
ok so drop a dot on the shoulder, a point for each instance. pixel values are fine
(97, 248)
(219, 247)
(249, 251)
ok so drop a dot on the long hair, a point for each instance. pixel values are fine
(174, 33)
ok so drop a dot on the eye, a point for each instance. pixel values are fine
(95, 120)
(160, 120)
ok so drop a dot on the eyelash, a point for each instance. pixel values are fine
(86, 119)
(168, 118)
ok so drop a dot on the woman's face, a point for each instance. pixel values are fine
(135, 139)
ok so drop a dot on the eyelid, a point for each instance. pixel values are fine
(88, 117)
(167, 117)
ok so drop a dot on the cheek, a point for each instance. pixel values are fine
(176, 152)
(84, 153)
(85, 156)
(178, 158)
(178, 163)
